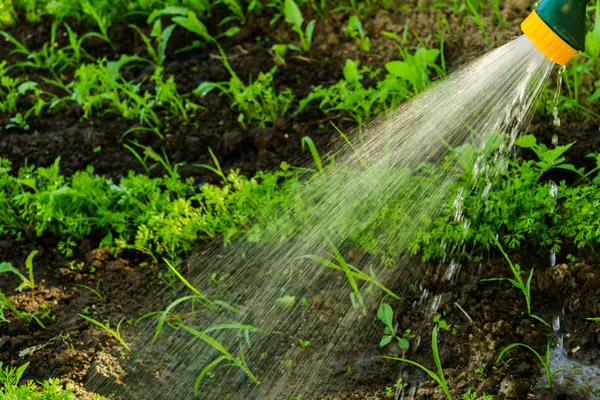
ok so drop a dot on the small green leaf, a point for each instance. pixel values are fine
(385, 341)
(403, 344)
(292, 13)
(526, 141)
(285, 302)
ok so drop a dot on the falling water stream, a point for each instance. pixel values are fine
(288, 296)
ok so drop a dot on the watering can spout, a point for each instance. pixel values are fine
(557, 28)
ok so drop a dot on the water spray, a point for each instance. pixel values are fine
(557, 28)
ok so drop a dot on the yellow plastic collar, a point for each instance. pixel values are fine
(548, 42)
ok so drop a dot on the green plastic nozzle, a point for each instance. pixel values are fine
(566, 18)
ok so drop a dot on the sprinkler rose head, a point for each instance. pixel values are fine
(557, 28)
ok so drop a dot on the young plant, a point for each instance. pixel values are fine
(293, 16)
(545, 361)
(386, 315)
(439, 376)
(115, 333)
(415, 69)
(352, 274)
(355, 30)
(548, 159)
(239, 361)
(258, 102)
(518, 282)
(26, 318)
(161, 37)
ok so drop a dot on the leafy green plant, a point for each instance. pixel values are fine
(293, 16)
(547, 159)
(415, 69)
(258, 102)
(386, 315)
(355, 30)
(115, 333)
(8, 15)
(51, 389)
(438, 377)
(545, 361)
(351, 96)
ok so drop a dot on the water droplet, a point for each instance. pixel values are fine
(486, 190)
(437, 300)
(555, 116)
(552, 258)
(555, 140)
(556, 323)
(458, 205)
(451, 270)
(553, 189)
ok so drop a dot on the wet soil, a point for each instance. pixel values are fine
(484, 316)
(480, 319)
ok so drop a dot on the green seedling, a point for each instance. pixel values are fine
(258, 102)
(518, 282)
(226, 356)
(352, 274)
(308, 142)
(304, 343)
(438, 377)
(355, 30)
(293, 16)
(26, 283)
(26, 318)
(386, 315)
(470, 395)
(115, 333)
(477, 19)
(545, 361)
(95, 291)
(161, 36)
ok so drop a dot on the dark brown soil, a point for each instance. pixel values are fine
(68, 135)
(72, 349)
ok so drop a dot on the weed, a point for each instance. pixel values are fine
(308, 142)
(545, 361)
(304, 343)
(439, 376)
(115, 333)
(548, 159)
(470, 395)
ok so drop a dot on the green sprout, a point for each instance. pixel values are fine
(546, 362)
(437, 377)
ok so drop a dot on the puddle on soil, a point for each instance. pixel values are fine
(575, 380)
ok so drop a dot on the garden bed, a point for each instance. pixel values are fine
(482, 317)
